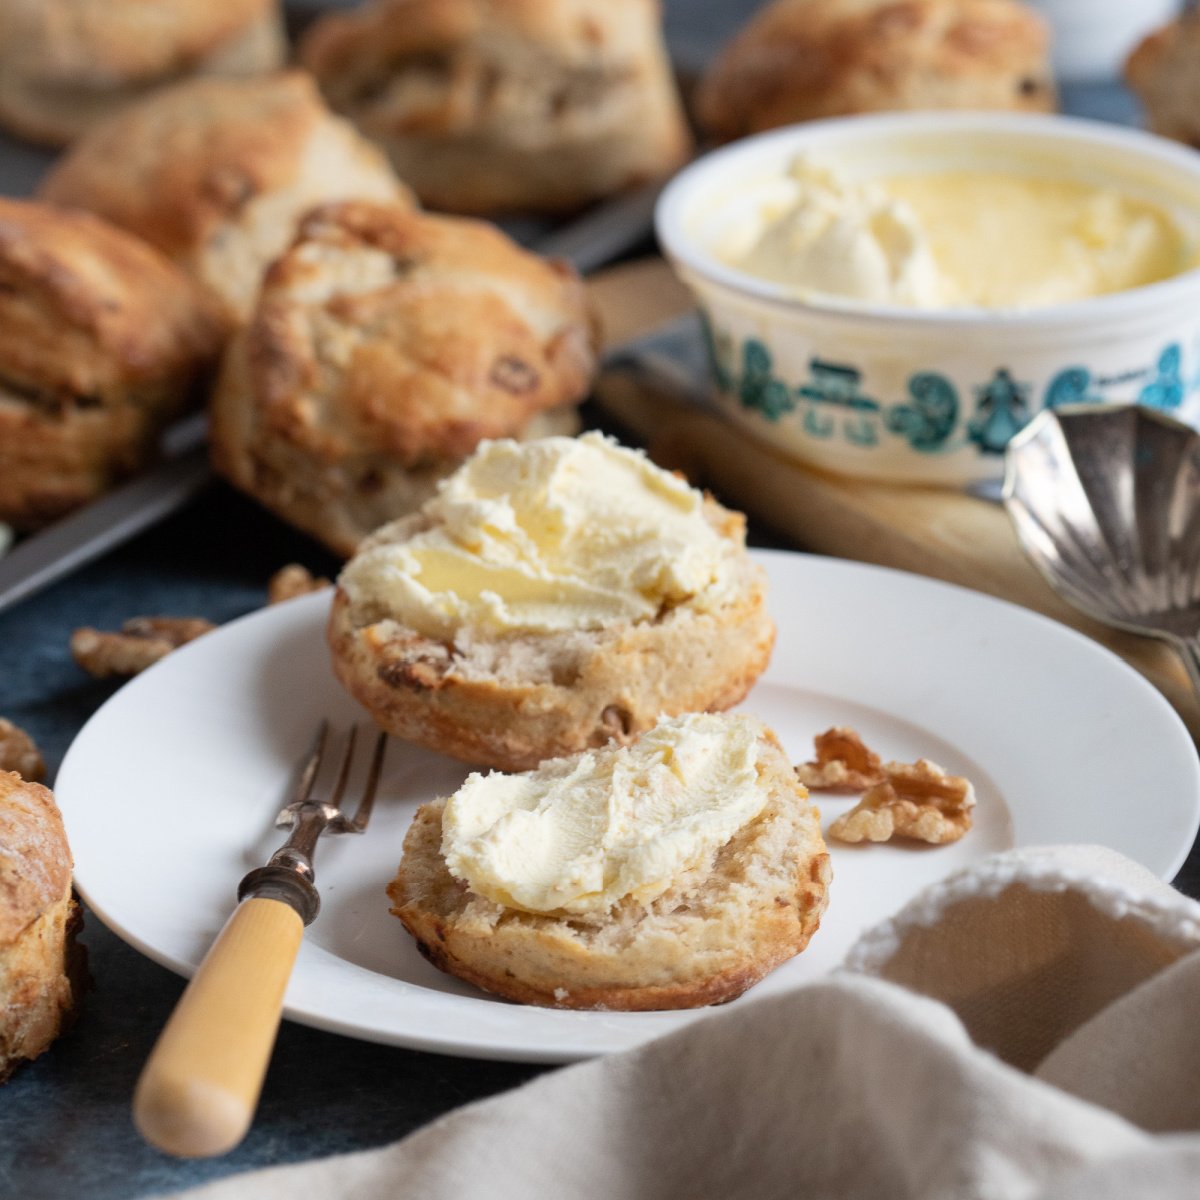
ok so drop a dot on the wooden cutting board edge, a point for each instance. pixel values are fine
(942, 534)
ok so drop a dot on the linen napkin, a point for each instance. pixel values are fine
(1028, 1028)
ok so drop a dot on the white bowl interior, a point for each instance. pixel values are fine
(712, 198)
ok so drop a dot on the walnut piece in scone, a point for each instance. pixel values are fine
(291, 581)
(842, 764)
(19, 753)
(919, 801)
(141, 642)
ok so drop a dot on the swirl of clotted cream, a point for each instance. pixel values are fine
(579, 834)
(826, 235)
(556, 534)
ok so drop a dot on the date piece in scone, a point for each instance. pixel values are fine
(102, 342)
(42, 970)
(491, 105)
(1164, 71)
(553, 595)
(672, 873)
(799, 60)
(67, 64)
(385, 344)
(216, 173)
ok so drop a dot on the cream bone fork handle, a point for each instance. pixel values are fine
(200, 1086)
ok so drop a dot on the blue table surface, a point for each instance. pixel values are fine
(65, 1129)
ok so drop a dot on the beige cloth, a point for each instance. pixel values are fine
(1054, 1052)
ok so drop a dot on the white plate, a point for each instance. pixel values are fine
(170, 789)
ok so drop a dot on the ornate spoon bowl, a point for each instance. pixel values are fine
(1106, 504)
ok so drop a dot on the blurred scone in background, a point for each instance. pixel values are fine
(67, 64)
(385, 345)
(102, 342)
(799, 60)
(215, 173)
(1164, 71)
(495, 105)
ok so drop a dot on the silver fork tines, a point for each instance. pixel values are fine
(289, 874)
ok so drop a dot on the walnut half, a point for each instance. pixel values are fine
(19, 752)
(919, 801)
(140, 643)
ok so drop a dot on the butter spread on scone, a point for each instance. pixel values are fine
(562, 533)
(580, 834)
(954, 239)
(555, 595)
(670, 873)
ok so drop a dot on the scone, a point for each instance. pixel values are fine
(216, 172)
(798, 60)
(67, 64)
(102, 342)
(1164, 71)
(672, 873)
(488, 105)
(554, 595)
(42, 971)
(385, 345)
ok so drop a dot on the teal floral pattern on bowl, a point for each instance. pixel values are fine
(832, 402)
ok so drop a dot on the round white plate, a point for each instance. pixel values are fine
(170, 790)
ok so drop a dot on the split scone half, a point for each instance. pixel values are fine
(555, 594)
(671, 873)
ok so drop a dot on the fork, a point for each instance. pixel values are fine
(200, 1086)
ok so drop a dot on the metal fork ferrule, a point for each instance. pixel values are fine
(277, 882)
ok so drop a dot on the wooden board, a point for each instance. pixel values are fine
(940, 533)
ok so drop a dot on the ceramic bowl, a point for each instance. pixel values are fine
(931, 396)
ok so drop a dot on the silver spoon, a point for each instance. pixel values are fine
(1106, 504)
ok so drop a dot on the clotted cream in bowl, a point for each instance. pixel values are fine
(896, 296)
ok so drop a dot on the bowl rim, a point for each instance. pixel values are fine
(687, 253)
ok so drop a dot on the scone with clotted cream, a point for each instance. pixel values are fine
(671, 873)
(552, 596)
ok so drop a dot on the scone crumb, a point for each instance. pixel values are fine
(291, 581)
(19, 753)
(917, 800)
(141, 642)
(842, 764)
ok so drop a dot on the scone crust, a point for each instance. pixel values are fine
(41, 969)
(215, 173)
(512, 703)
(65, 64)
(1164, 71)
(492, 105)
(102, 341)
(799, 60)
(714, 934)
(385, 345)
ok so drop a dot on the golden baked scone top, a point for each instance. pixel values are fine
(103, 42)
(799, 60)
(85, 307)
(487, 105)
(214, 172)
